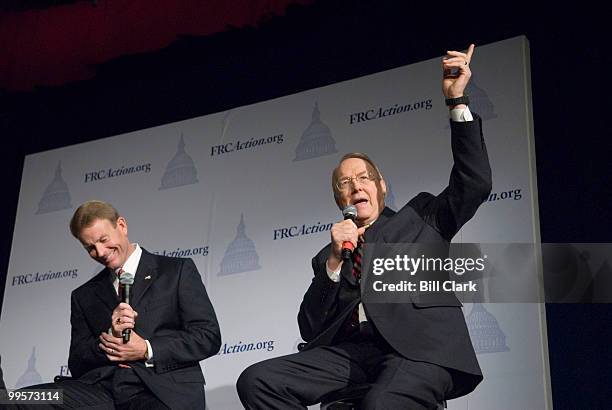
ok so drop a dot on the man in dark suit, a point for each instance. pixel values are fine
(413, 355)
(171, 320)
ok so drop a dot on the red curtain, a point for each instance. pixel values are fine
(64, 43)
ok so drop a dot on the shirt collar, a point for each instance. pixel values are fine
(131, 264)
(370, 224)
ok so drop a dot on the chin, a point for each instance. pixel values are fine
(365, 215)
(362, 220)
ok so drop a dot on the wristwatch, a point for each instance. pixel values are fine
(459, 100)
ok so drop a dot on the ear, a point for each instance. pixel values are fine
(122, 225)
(383, 187)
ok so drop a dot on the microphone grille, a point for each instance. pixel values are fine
(350, 212)
(126, 278)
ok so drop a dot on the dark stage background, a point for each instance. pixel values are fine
(316, 44)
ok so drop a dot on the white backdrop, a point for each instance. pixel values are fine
(246, 193)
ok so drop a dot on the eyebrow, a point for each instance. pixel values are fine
(88, 246)
(357, 174)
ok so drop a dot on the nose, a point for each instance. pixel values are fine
(356, 184)
(97, 250)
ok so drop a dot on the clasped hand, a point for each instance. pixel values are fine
(123, 317)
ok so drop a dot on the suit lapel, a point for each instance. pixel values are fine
(146, 273)
(104, 289)
(371, 234)
(372, 237)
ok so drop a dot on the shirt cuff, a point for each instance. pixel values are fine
(149, 355)
(334, 276)
(461, 114)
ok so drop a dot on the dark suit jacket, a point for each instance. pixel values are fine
(174, 314)
(429, 332)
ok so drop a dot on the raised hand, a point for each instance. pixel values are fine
(456, 72)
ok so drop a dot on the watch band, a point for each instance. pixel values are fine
(459, 100)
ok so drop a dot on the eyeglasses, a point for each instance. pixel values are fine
(343, 184)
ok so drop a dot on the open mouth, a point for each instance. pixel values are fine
(360, 201)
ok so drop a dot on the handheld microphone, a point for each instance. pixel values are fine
(350, 212)
(126, 280)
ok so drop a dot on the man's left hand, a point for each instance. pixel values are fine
(117, 351)
(457, 73)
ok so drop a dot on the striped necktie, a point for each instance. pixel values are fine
(119, 272)
(357, 255)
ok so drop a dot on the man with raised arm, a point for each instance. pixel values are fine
(413, 356)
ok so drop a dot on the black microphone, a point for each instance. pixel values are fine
(126, 280)
(350, 212)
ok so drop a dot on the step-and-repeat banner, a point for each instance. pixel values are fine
(246, 194)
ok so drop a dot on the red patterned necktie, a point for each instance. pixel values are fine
(357, 254)
(119, 273)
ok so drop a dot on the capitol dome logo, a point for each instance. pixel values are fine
(316, 140)
(56, 196)
(240, 256)
(31, 375)
(180, 170)
(486, 335)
